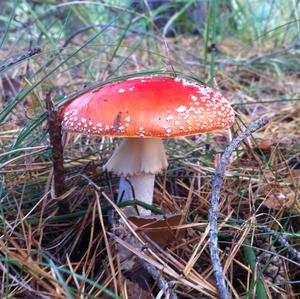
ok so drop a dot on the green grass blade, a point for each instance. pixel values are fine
(251, 258)
(9, 23)
(176, 15)
(213, 41)
(24, 93)
(42, 28)
(61, 280)
(206, 36)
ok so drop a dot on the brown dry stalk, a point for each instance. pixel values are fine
(41, 276)
(108, 250)
(57, 152)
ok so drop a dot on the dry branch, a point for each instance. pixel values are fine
(57, 152)
(165, 286)
(17, 59)
(282, 240)
(217, 182)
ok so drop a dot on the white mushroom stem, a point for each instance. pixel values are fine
(137, 160)
(139, 187)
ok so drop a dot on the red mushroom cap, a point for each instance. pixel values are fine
(152, 106)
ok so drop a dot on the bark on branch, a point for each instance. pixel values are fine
(12, 61)
(217, 182)
(57, 153)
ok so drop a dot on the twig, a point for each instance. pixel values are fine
(164, 285)
(14, 60)
(281, 239)
(57, 152)
(217, 182)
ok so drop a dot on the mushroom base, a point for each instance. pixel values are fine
(138, 187)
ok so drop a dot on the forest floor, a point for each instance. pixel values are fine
(50, 253)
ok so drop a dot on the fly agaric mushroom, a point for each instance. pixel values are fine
(143, 110)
